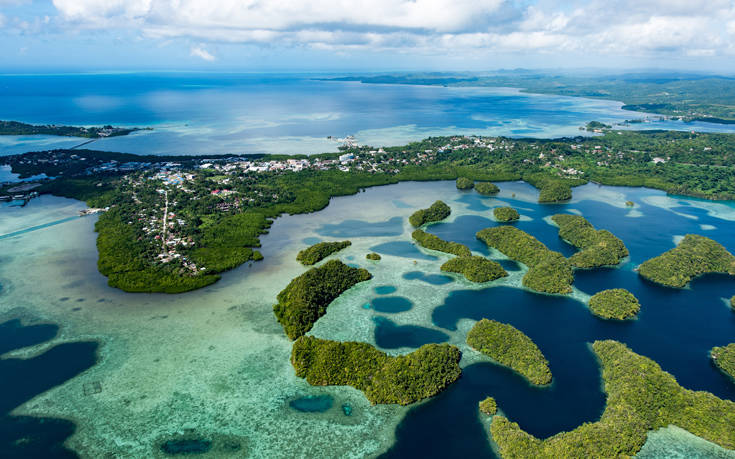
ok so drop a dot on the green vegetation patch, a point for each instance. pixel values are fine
(596, 125)
(224, 243)
(506, 214)
(552, 187)
(475, 268)
(488, 406)
(320, 251)
(436, 212)
(695, 255)
(616, 303)
(597, 247)
(548, 272)
(384, 379)
(373, 256)
(430, 241)
(640, 397)
(124, 263)
(724, 359)
(487, 188)
(554, 191)
(463, 183)
(510, 347)
(306, 297)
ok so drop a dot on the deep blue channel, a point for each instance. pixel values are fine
(676, 328)
(23, 379)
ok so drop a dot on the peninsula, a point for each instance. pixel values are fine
(17, 128)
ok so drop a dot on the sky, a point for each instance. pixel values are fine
(367, 35)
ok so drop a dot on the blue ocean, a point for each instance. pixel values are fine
(195, 113)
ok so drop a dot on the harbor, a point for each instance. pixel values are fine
(18, 196)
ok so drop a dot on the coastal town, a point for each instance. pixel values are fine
(167, 200)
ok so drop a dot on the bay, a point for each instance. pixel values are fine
(199, 113)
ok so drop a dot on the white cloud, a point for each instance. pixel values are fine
(200, 52)
(2, 20)
(616, 27)
(440, 15)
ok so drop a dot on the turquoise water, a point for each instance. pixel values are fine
(385, 289)
(209, 370)
(391, 304)
(246, 113)
(312, 403)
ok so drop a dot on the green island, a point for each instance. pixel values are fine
(548, 271)
(596, 126)
(629, 204)
(506, 214)
(384, 379)
(616, 303)
(554, 191)
(307, 296)
(373, 256)
(430, 241)
(434, 213)
(320, 251)
(597, 247)
(463, 183)
(475, 268)
(17, 128)
(732, 302)
(724, 359)
(488, 406)
(175, 223)
(641, 397)
(695, 255)
(487, 188)
(510, 347)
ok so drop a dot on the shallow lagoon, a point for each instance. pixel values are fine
(214, 364)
